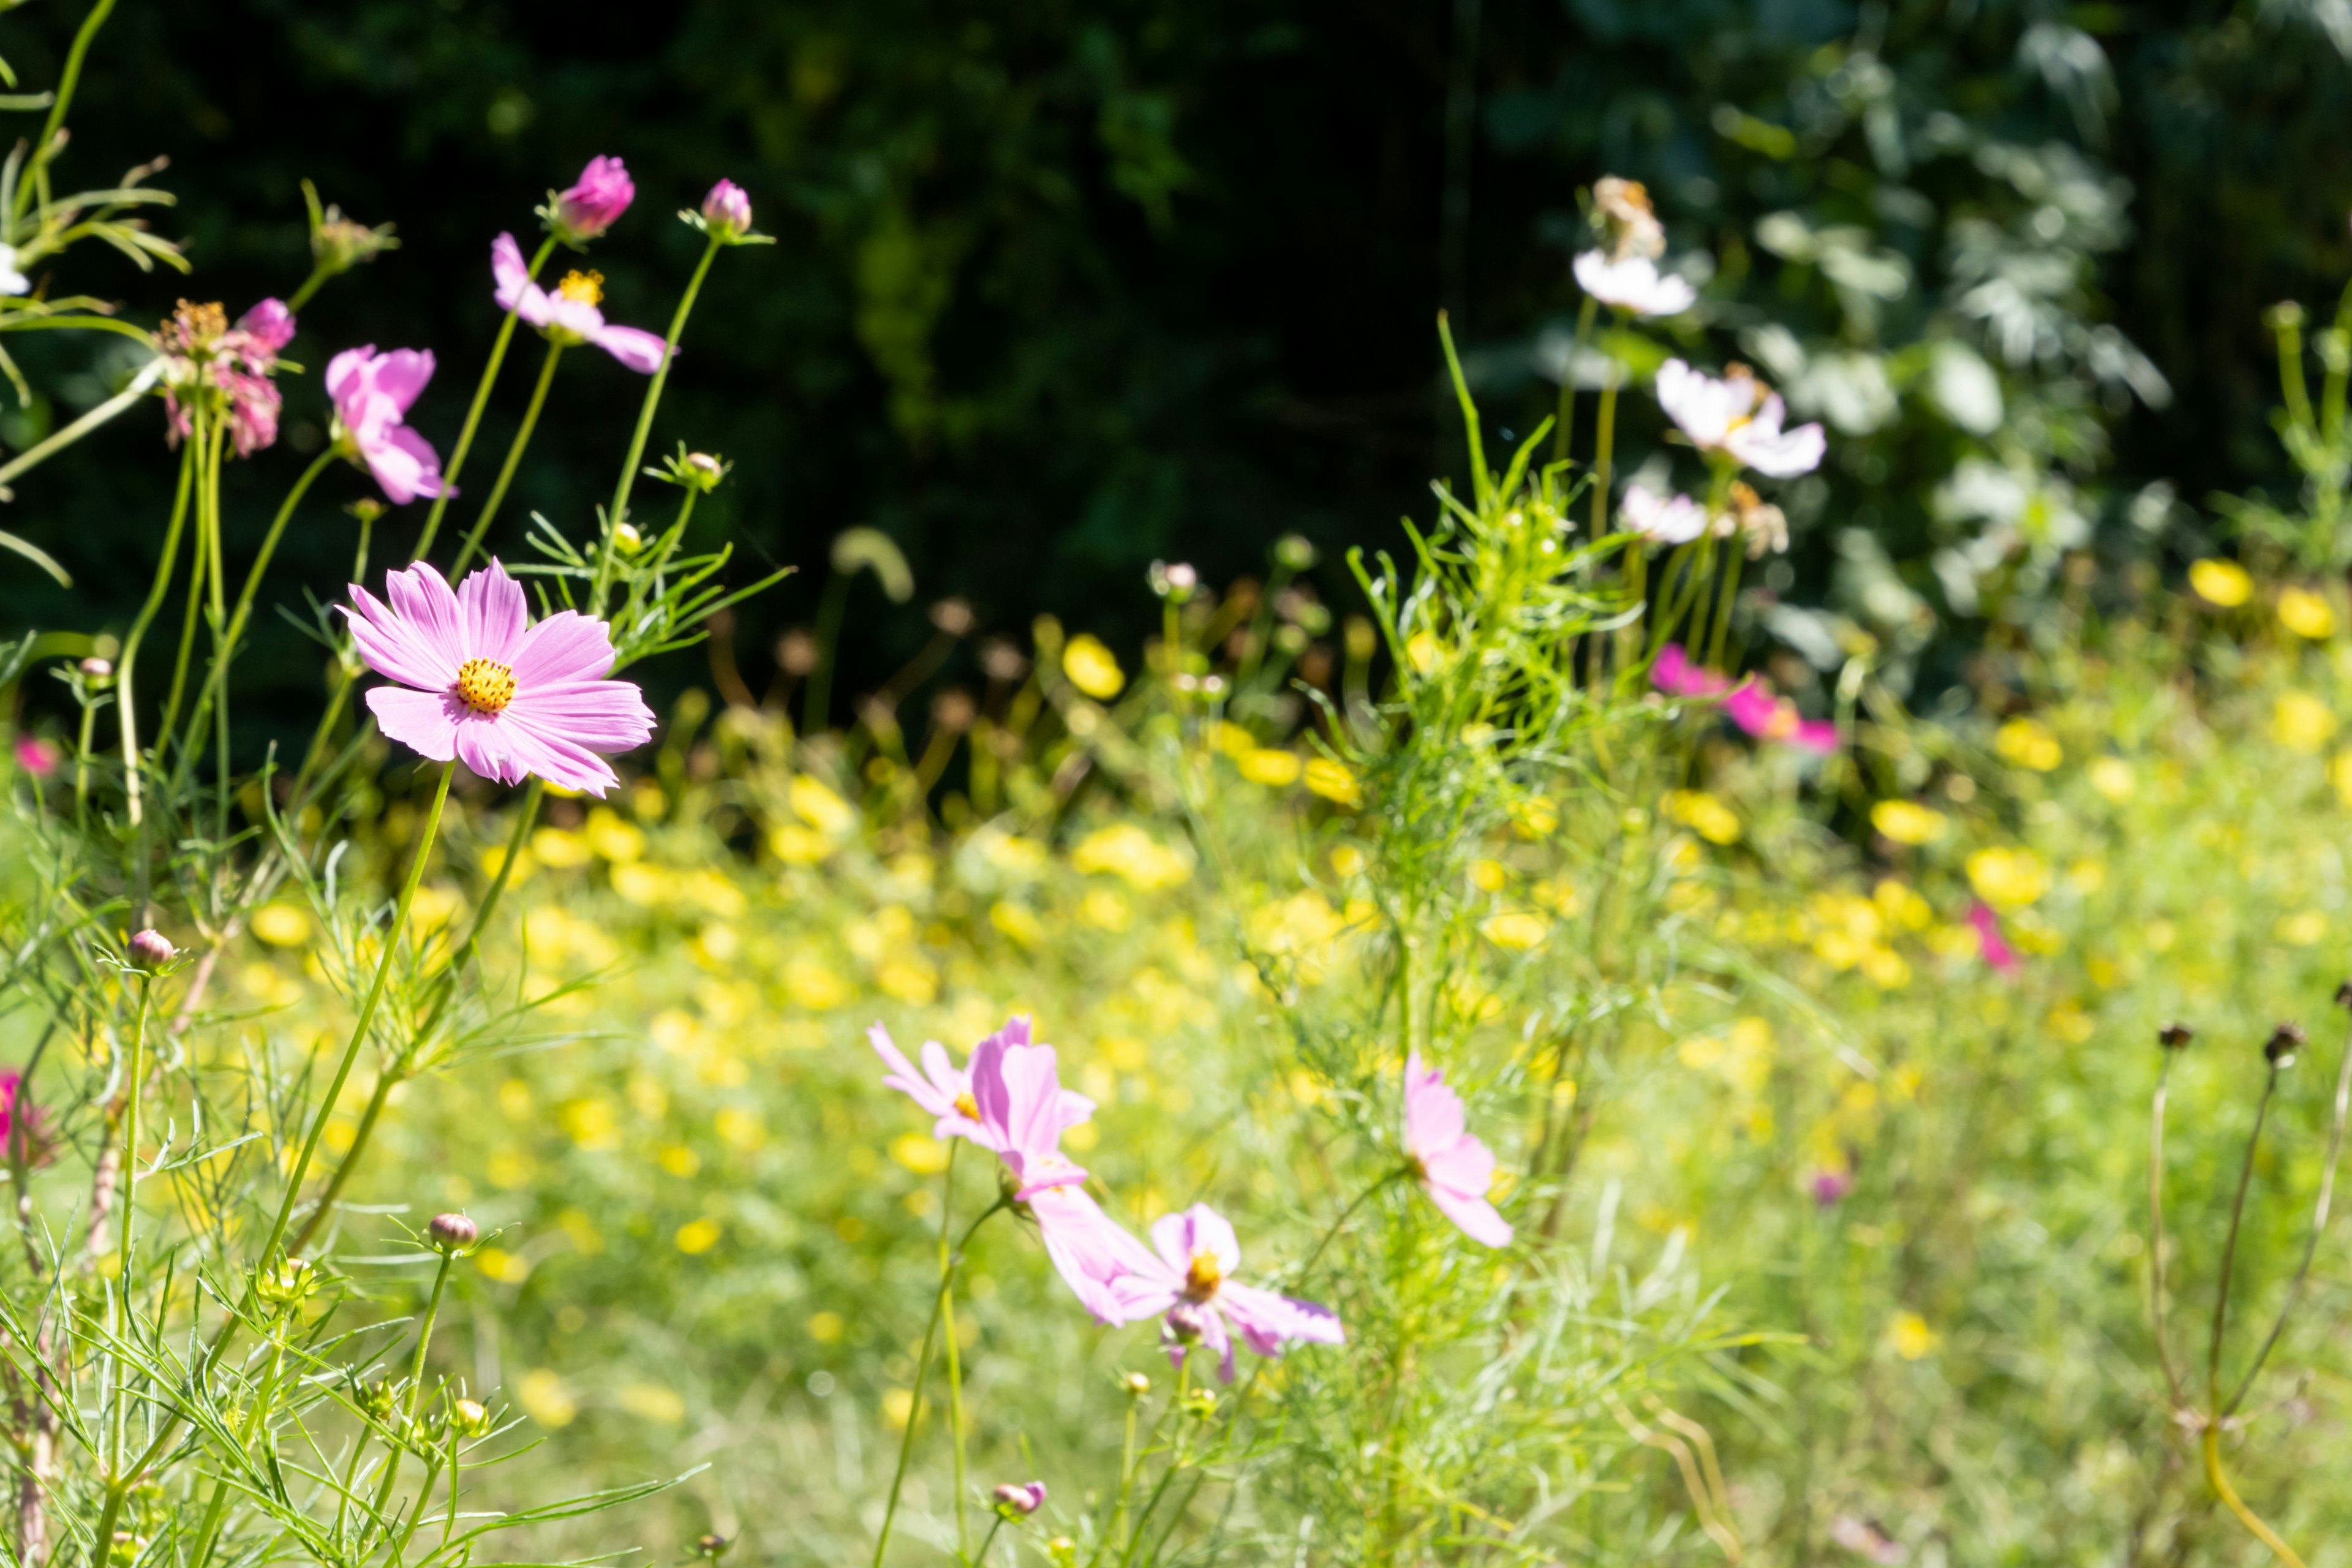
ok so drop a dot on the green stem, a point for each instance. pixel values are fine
(828, 632)
(128, 1203)
(407, 1415)
(2155, 1229)
(955, 1357)
(619, 511)
(922, 1371)
(2230, 1250)
(123, 694)
(1735, 557)
(2246, 1516)
(81, 764)
(514, 456)
(1560, 437)
(41, 451)
(197, 439)
(310, 285)
(1604, 443)
(67, 81)
(474, 412)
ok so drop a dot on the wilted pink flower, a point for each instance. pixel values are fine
(1020, 1097)
(945, 1090)
(1992, 946)
(1633, 284)
(1091, 1251)
(1669, 520)
(227, 369)
(727, 212)
(1754, 708)
(1677, 674)
(38, 757)
(1018, 1499)
(1453, 1168)
(595, 201)
(372, 393)
(1198, 1253)
(1739, 416)
(478, 682)
(569, 316)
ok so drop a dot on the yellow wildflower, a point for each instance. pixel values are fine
(1128, 851)
(1518, 930)
(1910, 1336)
(2113, 777)
(2306, 614)
(1092, 668)
(2221, 583)
(2028, 744)
(1269, 765)
(543, 1395)
(1704, 815)
(1907, 822)
(2008, 879)
(1334, 781)
(2301, 722)
(282, 925)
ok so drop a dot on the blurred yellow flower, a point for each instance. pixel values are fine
(741, 1128)
(1128, 851)
(2301, 722)
(2113, 777)
(824, 1328)
(652, 1402)
(1017, 921)
(2222, 582)
(1104, 910)
(2071, 1024)
(812, 984)
(590, 1123)
(2306, 929)
(1907, 822)
(1534, 818)
(1092, 668)
(920, 1153)
(502, 1266)
(2008, 879)
(1488, 876)
(559, 847)
(282, 925)
(1899, 906)
(1910, 1336)
(545, 1399)
(1704, 815)
(1886, 968)
(696, 1237)
(1347, 861)
(898, 1407)
(2028, 744)
(678, 1160)
(1518, 930)
(908, 977)
(1423, 651)
(610, 838)
(2306, 614)
(1268, 765)
(1334, 781)
(820, 808)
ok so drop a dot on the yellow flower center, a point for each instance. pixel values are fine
(1201, 1280)
(967, 1107)
(583, 288)
(485, 685)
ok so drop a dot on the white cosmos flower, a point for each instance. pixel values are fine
(1739, 416)
(11, 280)
(1633, 284)
(1669, 520)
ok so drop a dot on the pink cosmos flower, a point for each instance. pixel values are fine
(39, 1148)
(1633, 284)
(228, 368)
(569, 316)
(1453, 1168)
(1677, 674)
(1830, 1186)
(38, 757)
(726, 211)
(1019, 1500)
(595, 201)
(1090, 1250)
(1192, 1281)
(479, 683)
(945, 1090)
(1669, 520)
(372, 393)
(1754, 708)
(1739, 416)
(1992, 946)
(1020, 1102)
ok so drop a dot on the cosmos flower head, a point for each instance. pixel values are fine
(592, 203)
(1737, 415)
(569, 314)
(1190, 1280)
(1452, 1167)
(1633, 285)
(373, 393)
(1666, 519)
(945, 1090)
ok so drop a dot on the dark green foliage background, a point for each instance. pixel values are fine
(1065, 285)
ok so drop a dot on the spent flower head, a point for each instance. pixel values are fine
(218, 371)
(338, 244)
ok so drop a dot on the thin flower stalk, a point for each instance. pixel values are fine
(514, 456)
(922, 1371)
(618, 513)
(473, 410)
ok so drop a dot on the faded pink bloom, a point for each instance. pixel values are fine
(1754, 708)
(945, 1090)
(1677, 674)
(479, 683)
(569, 315)
(1020, 1097)
(227, 369)
(595, 201)
(20, 1117)
(38, 757)
(1198, 1253)
(727, 212)
(1453, 1168)
(372, 393)
(1739, 416)
(1089, 1249)
(1669, 520)
(1992, 946)
(1633, 284)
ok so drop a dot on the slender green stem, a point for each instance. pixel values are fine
(1734, 558)
(514, 456)
(81, 762)
(42, 450)
(310, 285)
(1567, 426)
(619, 511)
(2230, 1248)
(474, 412)
(829, 611)
(67, 81)
(2319, 1211)
(1604, 450)
(954, 1352)
(922, 1371)
(986, 1542)
(197, 436)
(2155, 1229)
(124, 695)
(128, 1202)
(218, 1507)
(2246, 1516)
(407, 1414)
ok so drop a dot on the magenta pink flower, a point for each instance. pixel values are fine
(1019, 1500)
(1453, 1168)
(1020, 1097)
(19, 1116)
(1830, 1186)
(594, 202)
(479, 683)
(727, 212)
(1991, 945)
(1677, 674)
(269, 325)
(372, 393)
(1192, 1281)
(1089, 1249)
(1754, 708)
(38, 757)
(569, 316)
(945, 1090)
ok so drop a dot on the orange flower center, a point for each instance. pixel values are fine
(485, 685)
(583, 288)
(967, 1107)
(1201, 1280)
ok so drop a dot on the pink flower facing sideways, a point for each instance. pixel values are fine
(476, 681)
(1754, 708)
(1191, 1281)
(1452, 1167)
(569, 316)
(945, 1089)
(595, 202)
(372, 393)
(1740, 416)
(1677, 674)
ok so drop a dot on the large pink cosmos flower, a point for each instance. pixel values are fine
(372, 393)
(945, 1089)
(1019, 1095)
(479, 683)
(1192, 1281)
(1754, 708)
(1453, 1168)
(569, 316)
(1737, 416)
(595, 202)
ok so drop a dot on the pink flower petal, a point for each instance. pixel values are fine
(1479, 1220)
(494, 613)
(606, 716)
(423, 598)
(395, 648)
(401, 376)
(640, 349)
(567, 646)
(1465, 1167)
(1816, 735)
(493, 748)
(343, 368)
(1751, 707)
(508, 271)
(559, 761)
(424, 722)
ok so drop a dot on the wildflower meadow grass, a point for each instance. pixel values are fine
(1509, 1067)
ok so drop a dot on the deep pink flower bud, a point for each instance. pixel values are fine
(1017, 1502)
(269, 323)
(728, 211)
(595, 201)
(151, 949)
(38, 757)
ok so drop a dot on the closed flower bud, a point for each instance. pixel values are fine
(290, 1281)
(713, 1547)
(1185, 1324)
(1136, 1385)
(151, 949)
(1173, 580)
(595, 202)
(1295, 551)
(379, 1399)
(2280, 1048)
(95, 668)
(451, 1233)
(467, 1418)
(1062, 1552)
(727, 212)
(626, 539)
(1015, 1501)
(1199, 1404)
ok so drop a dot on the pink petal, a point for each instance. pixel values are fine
(343, 368)
(575, 318)
(939, 1067)
(424, 722)
(559, 761)
(394, 648)
(494, 613)
(902, 1074)
(1263, 1316)
(401, 460)
(423, 598)
(1479, 1220)
(567, 646)
(606, 716)
(1075, 1108)
(1751, 707)
(1816, 735)
(508, 271)
(1467, 1167)
(401, 376)
(493, 748)
(1433, 1112)
(641, 351)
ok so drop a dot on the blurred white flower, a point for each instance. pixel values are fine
(1740, 416)
(11, 280)
(1633, 284)
(1670, 520)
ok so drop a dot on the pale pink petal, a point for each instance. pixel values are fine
(1433, 1112)
(1219, 1342)
(508, 271)
(902, 1074)
(1209, 1231)
(494, 613)
(423, 599)
(346, 373)
(1075, 1108)
(493, 748)
(1467, 1167)
(1267, 1320)
(401, 374)
(1479, 1220)
(940, 1069)
(1171, 1238)
(424, 722)
(395, 648)
(640, 349)
(607, 716)
(574, 318)
(567, 646)
(557, 760)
